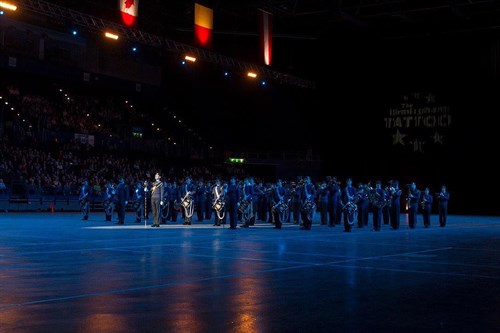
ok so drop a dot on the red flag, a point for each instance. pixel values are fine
(129, 9)
(203, 25)
(266, 36)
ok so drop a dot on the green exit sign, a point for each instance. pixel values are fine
(236, 160)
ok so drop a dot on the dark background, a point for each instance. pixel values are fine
(363, 60)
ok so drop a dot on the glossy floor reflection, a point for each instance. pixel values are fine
(61, 274)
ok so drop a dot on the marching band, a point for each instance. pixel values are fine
(244, 202)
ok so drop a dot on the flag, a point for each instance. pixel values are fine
(128, 10)
(203, 25)
(266, 36)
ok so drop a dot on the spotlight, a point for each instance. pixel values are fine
(110, 35)
(8, 6)
(74, 32)
(134, 49)
(252, 74)
(1, 12)
(190, 58)
(263, 83)
(226, 73)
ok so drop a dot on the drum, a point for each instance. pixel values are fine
(351, 211)
(244, 205)
(282, 207)
(218, 205)
(186, 203)
(308, 206)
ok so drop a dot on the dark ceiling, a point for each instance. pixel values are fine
(302, 27)
(313, 18)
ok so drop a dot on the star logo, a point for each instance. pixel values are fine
(438, 138)
(397, 138)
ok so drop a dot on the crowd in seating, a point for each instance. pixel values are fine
(39, 149)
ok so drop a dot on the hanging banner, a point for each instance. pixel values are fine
(266, 35)
(203, 25)
(128, 10)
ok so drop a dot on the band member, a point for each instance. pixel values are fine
(347, 201)
(426, 204)
(165, 209)
(378, 202)
(297, 193)
(323, 194)
(232, 200)
(138, 202)
(395, 211)
(208, 201)
(85, 200)
(254, 199)
(443, 198)
(308, 207)
(156, 200)
(261, 191)
(188, 190)
(278, 200)
(219, 203)
(363, 203)
(413, 199)
(109, 201)
(200, 200)
(246, 203)
(386, 210)
(174, 201)
(122, 196)
(269, 203)
(333, 200)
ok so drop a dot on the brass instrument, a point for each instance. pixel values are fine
(422, 203)
(375, 198)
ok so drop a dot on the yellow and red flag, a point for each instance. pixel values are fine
(203, 25)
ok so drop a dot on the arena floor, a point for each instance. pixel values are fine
(61, 274)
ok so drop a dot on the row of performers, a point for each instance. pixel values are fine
(246, 202)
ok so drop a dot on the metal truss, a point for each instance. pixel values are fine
(98, 26)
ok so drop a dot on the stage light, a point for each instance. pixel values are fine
(134, 49)
(263, 83)
(6, 5)
(226, 73)
(190, 58)
(74, 32)
(1, 12)
(183, 62)
(110, 35)
(252, 74)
